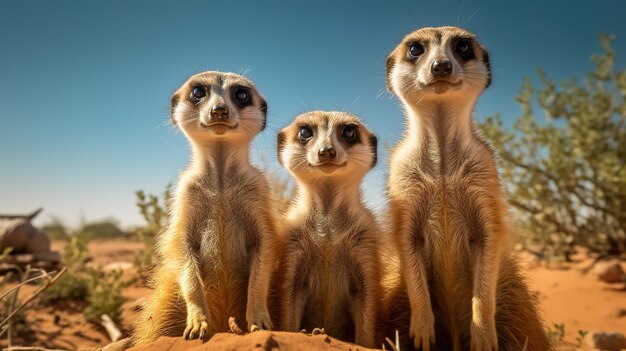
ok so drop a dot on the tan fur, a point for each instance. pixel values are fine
(330, 269)
(214, 259)
(447, 217)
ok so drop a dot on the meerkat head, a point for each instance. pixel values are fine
(322, 144)
(212, 105)
(438, 63)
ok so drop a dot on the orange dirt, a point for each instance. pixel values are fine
(262, 340)
(576, 300)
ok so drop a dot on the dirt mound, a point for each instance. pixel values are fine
(257, 341)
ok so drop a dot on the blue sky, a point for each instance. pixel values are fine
(85, 86)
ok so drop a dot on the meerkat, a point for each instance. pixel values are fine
(447, 217)
(330, 268)
(214, 258)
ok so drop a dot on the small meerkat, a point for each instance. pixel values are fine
(213, 259)
(330, 270)
(447, 216)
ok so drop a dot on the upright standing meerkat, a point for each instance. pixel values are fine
(214, 258)
(447, 216)
(330, 269)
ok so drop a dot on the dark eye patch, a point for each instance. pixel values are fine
(241, 96)
(464, 49)
(350, 134)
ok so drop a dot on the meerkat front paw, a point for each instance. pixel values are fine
(259, 319)
(197, 326)
(484, 337)
(422, 330)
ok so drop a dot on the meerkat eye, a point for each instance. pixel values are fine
(349, 133)
(463, 47)
(198, 93)
(415, 50)
(242, 95)
(305, 133)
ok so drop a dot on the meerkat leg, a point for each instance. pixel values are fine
(365, 305)
(191, 285)
(197, 308)
(422, 327)
(294, 292)
(483, 327)
(257, 313)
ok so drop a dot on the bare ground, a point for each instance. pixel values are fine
(570, 298)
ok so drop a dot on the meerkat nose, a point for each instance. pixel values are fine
(219, 112)
(441, 68)
(327, 153)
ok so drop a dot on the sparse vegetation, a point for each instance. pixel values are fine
(103, 229)
(557, 332)
(154, 210)
(102, 290)
(56, 229)
(580, 338)
(566, 175)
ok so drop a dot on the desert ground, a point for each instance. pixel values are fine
(572, 301)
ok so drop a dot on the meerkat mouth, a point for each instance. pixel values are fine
(328, 167)
(441, 86)
(218, 125)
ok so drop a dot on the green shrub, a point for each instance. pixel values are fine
(564, 171)
(154, 211)
(102, 290)
(56, 229)
(107, 228)
(105, 295)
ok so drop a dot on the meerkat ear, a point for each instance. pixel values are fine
(263, 108)
(487, 63)
(280, 145)
(173, 103)
(389, 67)
(373, 142)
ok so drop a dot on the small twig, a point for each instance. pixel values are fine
(391, 343)
(31, 298)
(114, 332)
(45, 275)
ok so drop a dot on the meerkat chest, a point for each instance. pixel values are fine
(335, 246)
(227, 212)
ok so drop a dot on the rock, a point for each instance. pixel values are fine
(606, 341)
(20, 235)
(609, 271)
(260, 340)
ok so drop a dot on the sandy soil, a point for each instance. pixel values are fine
(577, 301)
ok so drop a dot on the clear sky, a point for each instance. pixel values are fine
(85, 85)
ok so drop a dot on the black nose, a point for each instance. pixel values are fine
(441, 68)
(327, 153)
(219, 112)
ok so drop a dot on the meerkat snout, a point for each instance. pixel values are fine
(219, 114)
(326, 154)
(441, 68)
